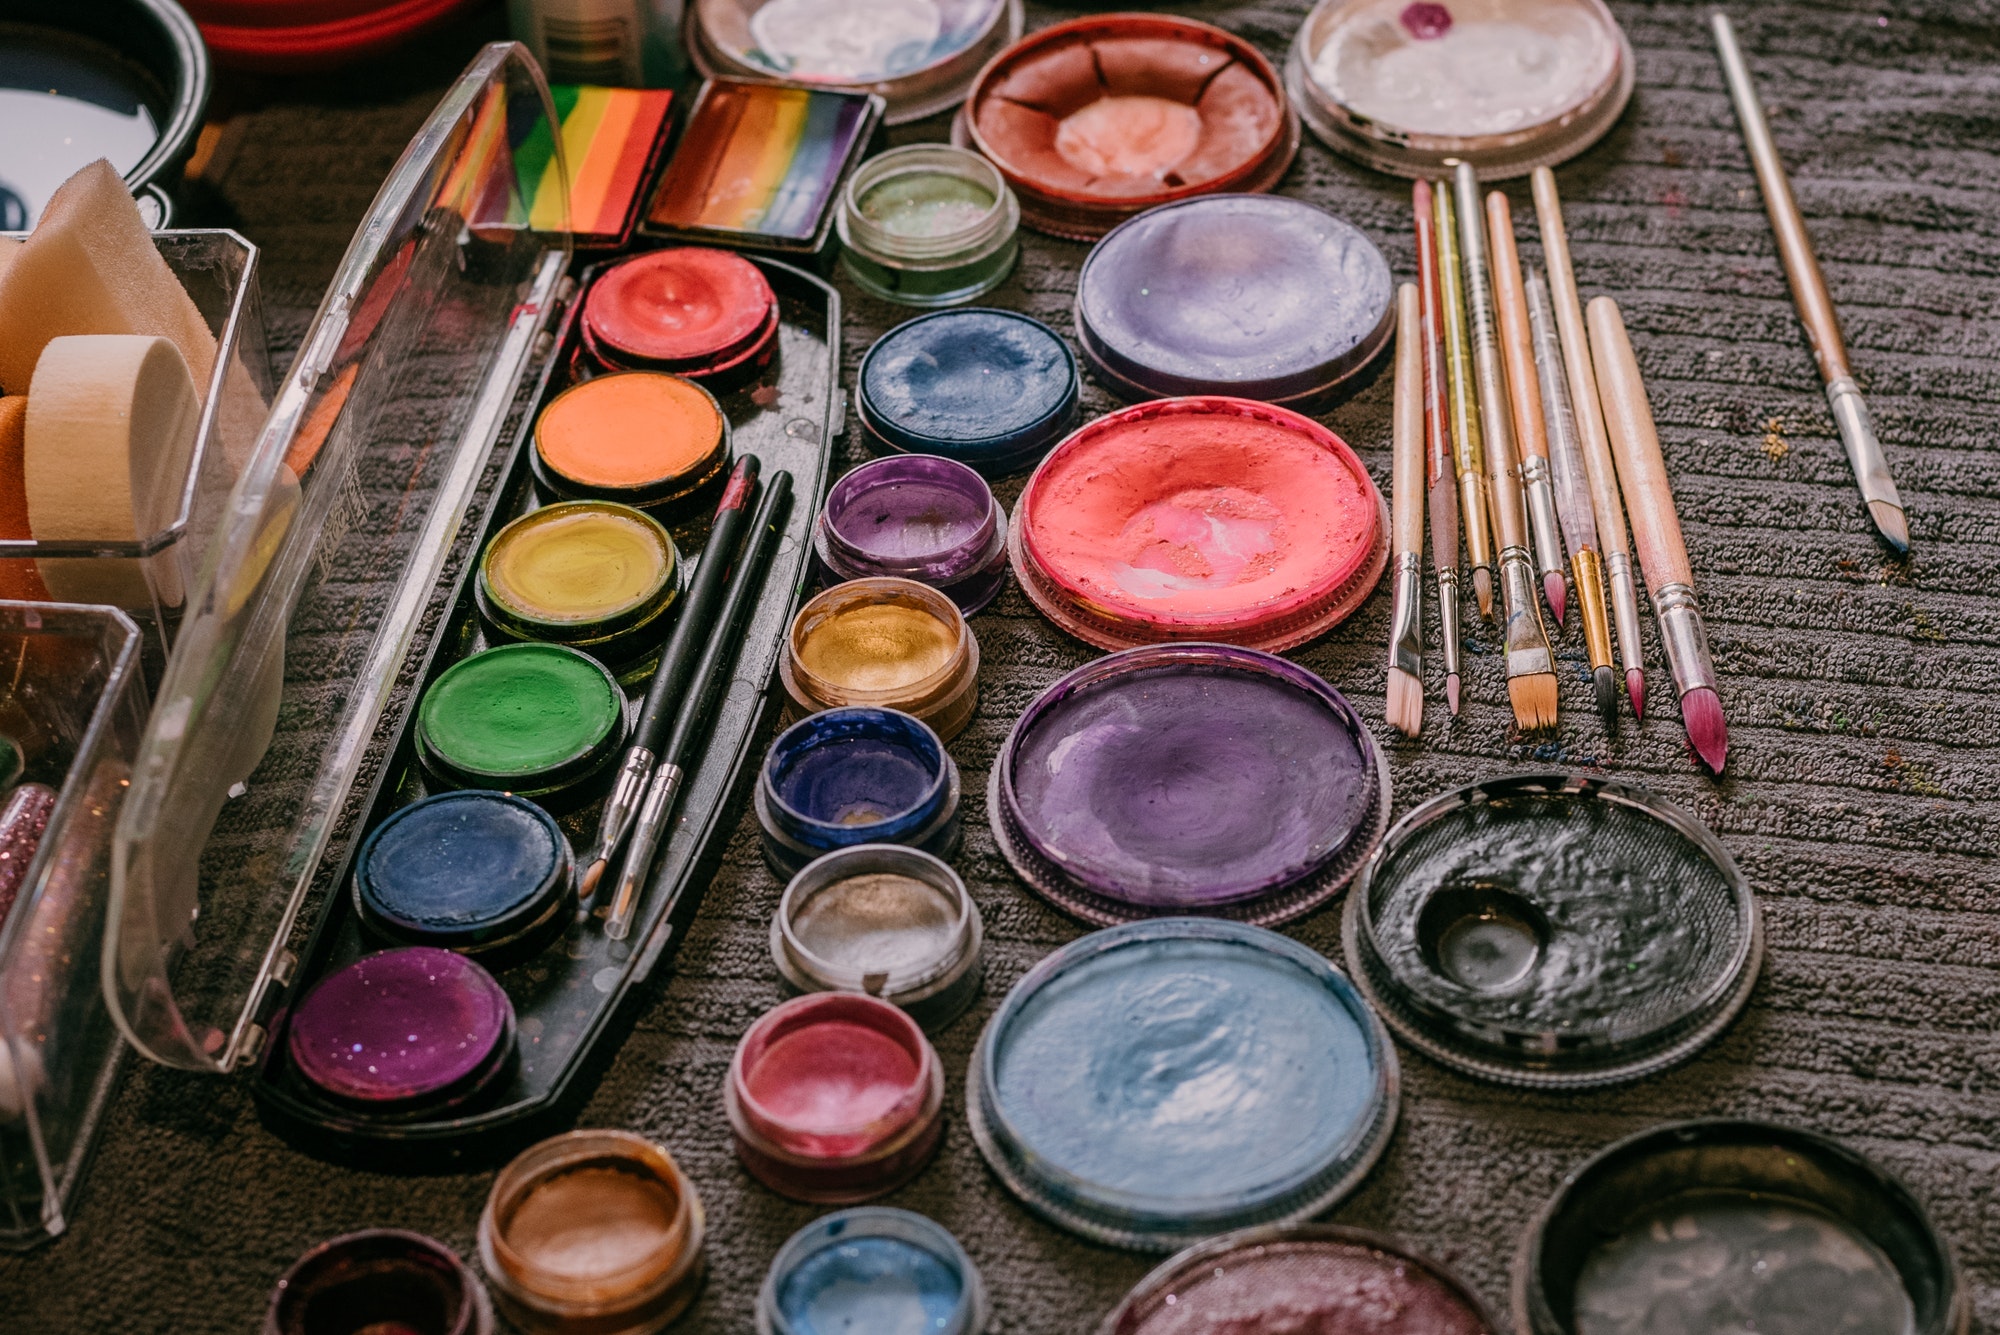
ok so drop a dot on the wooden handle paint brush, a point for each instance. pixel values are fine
(1657, 528)
(1440, 481)
(1579, 522)
(1405, 706)
(1597, 461)
(1809, 294)
(1531, 667)
(1467, 451)
(1524, 392)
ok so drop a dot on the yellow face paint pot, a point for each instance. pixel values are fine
(595, 575)
(892, 643)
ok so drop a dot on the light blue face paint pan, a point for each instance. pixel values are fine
(1171, 1079)
(872, 1271)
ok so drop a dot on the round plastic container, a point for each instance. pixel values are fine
(309, 36)
(928, 225)
(891, 643)
(920, 517)
(1203, 518)
(709, 315)
(645, 439)
(872, 1269)
(541, 720)
(377, 1280)
(855, 775)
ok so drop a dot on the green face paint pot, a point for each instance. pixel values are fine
(928, 225)
(534, 719)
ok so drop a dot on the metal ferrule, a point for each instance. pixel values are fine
(1590, 597)
(623, 803)
(1447, 578)
(1685, 638)
(1541, 489)
(1625, 609)
(1864, 448)
(1475, 517)
(1406, 630)
(1527, 643)
(645, 843)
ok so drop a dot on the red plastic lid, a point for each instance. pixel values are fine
(292, 36)
(687, 306)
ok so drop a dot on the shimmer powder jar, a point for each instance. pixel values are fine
(892, 643)
(1237, 1056)
(992, 389)
(855, 775)
(643, 438)
(920, 517)
(593, 1232)
(1205, 518)
(1097, 119)
(379, 1280)
(872, 1271)
(928, 225)
(1315, 1278)
(835, 1097)
(540, 720)
(1506, 85)
(896, 923)
(596, 575)
(709, 315)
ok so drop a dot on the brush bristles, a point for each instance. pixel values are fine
(592, 873)
(1406, 702)
(1534, 700)
(1482, 588)
(1701, 710)
(1606, 682)
(1552, 585)
(1451, 692)
(1890, 520)
(1635, 686)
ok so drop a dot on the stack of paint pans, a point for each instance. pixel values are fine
(705, 314)
(1554, 931)
(1258, 296)
(919, 56)
(1097, 119)
(1204, 518)
(1506, 86)
(1093, 1091)
(1188, 779)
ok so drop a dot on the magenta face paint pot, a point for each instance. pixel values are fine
(920, 517)
(1192, 778)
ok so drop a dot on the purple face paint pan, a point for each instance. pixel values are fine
(1189, 778)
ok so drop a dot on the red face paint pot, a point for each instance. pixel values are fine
(708, 315)
(1100, 118)
(835, 1098)
(1203, 518)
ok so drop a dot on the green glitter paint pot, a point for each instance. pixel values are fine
(539, 720)
(928, 225)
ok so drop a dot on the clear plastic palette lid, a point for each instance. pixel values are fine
(323, 570)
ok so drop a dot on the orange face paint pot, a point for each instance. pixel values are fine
(1098, 119)
(644, 438)
(706, 314)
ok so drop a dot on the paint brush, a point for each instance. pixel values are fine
(1467, 451)
(1524, 392)
(1572, 488)
(1440, 482)
(670, 678)
(1405, 705)
(1531, 666)
(1597, 461)
(1809, 294)
(705, 686)
(1657, 529)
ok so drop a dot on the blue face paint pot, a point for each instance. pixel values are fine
(1167, 1080)
(486, 874)
(992, 389)
(856, 775)
(872, 1271)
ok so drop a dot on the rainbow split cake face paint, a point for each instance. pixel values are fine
(1236, 1055)
(533, 719)
(1200, 519)
(886, 1272)
(611, 137)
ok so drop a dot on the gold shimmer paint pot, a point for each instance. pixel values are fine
(644, 438)
(595, 575)
(591, 1233)
(884, 641)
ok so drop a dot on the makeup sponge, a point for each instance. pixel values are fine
(110, 427)
(18, 577)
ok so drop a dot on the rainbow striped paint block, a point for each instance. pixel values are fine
(611, 142)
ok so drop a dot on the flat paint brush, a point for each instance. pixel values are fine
(1809, 294)
(1405, 705)
(1597, 461)
(1579, 522)
(1440, 482)
(1467, 450)
(1657, 528)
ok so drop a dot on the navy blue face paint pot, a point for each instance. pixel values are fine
(486, 874)
(856, 775)
(992, 389)
(872, 1269)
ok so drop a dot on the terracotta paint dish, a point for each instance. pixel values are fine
(643, 438)
(1097, 119)
(1203, 518)
(1258, 296)
(1188, 779)
(706, 314)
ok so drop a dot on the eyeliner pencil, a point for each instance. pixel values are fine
(1597, 461)
(706, 686)
(1579, 523)
(1440, 483)
(1405, 704)
(1467, 452)
(1809, 294)
(1657, 527)
(1531, 666)
(670, 678)
(1524, 391)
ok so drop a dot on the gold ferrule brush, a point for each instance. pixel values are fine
(1589, 573)
(1467, 452)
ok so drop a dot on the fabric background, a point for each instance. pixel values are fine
(1860, 796)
